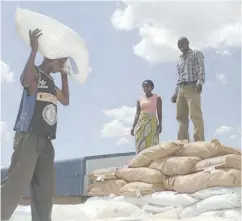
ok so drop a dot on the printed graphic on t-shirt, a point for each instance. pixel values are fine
(41, 96)
(49, 114)
(42, 84)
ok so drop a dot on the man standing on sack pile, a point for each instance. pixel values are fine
(187, 96)
(33, 157)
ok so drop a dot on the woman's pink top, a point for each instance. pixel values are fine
(149, 105)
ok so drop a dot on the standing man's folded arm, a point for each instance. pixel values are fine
(200, 67)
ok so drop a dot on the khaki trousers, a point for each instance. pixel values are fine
(189, 104)
(32, 164)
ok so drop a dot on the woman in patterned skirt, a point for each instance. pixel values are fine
(148, 119)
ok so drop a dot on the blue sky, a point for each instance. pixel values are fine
(120, 62)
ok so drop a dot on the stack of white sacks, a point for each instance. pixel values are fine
(177, 180)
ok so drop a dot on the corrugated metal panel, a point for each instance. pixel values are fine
(99, 161)
(69, 178)
(108, 155)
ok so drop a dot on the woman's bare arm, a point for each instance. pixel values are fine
(159, 111)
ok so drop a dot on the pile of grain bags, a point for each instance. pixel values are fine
(197, 167)
(219, 166)
(136, 180)
(177, 170)
(104, 182)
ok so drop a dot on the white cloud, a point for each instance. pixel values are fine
(119, 125)
(6, 136)
(207, 24)
(222, 78)
(115, 129)
(223, 53)
(122, 141)
(124, 18)
(6, 74)
(124, 113)
(223, 130)
(232, 136)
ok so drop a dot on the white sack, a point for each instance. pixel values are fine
(120, 219)
(212, 191)
(155, 209)
(57, 41)
(60, 213)
(22, 213)
(97, 198)
(111, 209)
(169, 214)
(170, 198)
(232, 214)
(217, 202)
(210, 218)
(137, 201)
(69, 213)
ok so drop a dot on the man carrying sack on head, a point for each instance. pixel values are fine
(33, 157)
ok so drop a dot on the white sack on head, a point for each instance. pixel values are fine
(57, 41)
